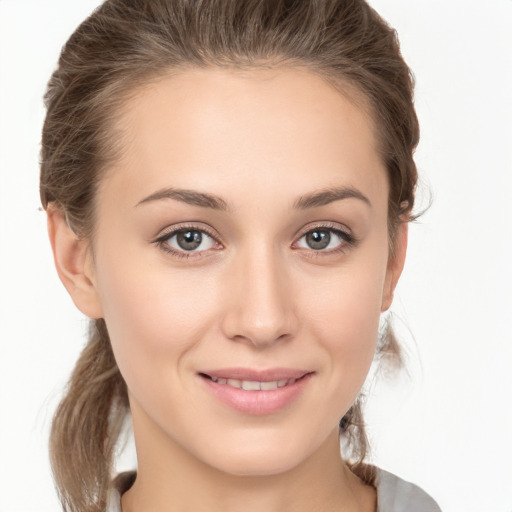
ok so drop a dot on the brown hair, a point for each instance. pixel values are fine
(123, 45)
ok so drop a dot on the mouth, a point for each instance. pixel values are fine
(253, 385)
(256, 392)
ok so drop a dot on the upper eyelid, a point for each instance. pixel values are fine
(170, 231)
(210, 231)
(333, 226)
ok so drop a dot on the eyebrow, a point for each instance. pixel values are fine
(329, 195)
(188, 196)
(205, 200)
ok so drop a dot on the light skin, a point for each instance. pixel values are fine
(287, 265)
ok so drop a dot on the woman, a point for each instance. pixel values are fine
(228, 186)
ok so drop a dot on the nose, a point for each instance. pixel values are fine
(261, 308)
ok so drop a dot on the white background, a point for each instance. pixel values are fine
(448, 426)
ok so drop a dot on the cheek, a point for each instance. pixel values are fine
(345, 319)
(152, 315)
(352, 322)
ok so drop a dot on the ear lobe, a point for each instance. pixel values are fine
(73, 262)
(395, 265)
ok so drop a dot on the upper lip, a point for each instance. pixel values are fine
(251, 374)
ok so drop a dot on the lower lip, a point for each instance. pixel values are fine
(257, 403)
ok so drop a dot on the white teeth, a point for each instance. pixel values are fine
(254, 385)
(266, 386)
(234, 383)
(251, 385)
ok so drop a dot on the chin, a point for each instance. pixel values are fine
(263, 457)
(265, 464)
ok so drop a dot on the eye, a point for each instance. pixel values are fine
(186, 240)
(325, 239)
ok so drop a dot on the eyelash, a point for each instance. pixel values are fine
(162, 241)
(348, 241)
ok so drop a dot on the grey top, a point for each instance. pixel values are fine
(397, 495)
(393, 494)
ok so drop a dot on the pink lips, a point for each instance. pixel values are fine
(256, 392)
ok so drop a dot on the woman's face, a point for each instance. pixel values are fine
(241, 243)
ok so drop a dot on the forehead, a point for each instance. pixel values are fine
(263, 131)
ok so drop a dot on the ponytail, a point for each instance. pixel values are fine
(355, 444)
(86, 426)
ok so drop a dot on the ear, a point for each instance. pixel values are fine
(74, 264)
(395, 265)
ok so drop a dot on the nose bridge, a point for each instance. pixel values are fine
(262, 306)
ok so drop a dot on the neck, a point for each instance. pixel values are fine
(172, 480)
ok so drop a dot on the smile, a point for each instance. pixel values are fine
(254, 385)
(256, 392)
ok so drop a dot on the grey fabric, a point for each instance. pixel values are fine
(397, 495)
(393, 494)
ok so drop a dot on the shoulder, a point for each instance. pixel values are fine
(393, 494)
(397, 495)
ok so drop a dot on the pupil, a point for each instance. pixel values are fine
(189, 240)
(318, 239)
